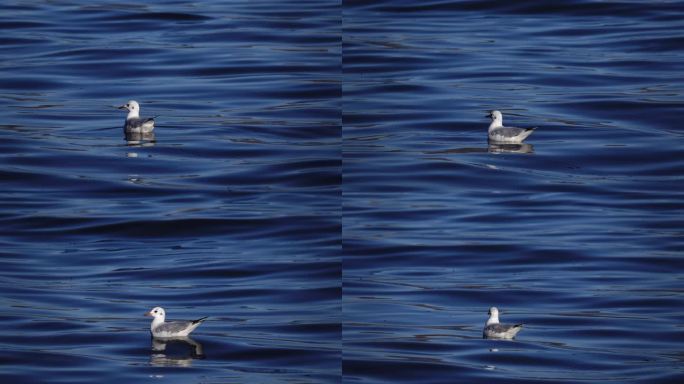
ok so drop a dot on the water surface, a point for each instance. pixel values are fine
(232, 212)
(577, 234)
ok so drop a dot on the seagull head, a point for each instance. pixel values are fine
(158, 313)
(131, 106)
(493, 316)
(495, 115)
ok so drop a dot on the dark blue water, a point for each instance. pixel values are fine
(321, 187)
(233, 212)
(578, 235)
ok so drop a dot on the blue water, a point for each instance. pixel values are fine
(232, 212)
(578, 234)
(320, 185)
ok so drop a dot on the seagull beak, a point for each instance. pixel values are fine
(122, 107)
(148, 314)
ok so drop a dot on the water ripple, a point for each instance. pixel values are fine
(232, 212)
(576, 235)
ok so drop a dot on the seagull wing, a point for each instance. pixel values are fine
(502, 330)
(174, 326)
(509, 131)
(136, 123)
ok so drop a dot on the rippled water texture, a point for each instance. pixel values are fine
(232, 212)
(306, 149)
(577, 235)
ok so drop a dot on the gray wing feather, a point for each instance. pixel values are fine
(505, 331)
(510, 132)
(174, 326)
(500, 328)
(137, 123)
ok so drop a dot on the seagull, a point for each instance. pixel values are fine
(506, 135)
(135, 124)
(162, 329)
(495, 330)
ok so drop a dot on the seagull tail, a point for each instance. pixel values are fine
(200, 320)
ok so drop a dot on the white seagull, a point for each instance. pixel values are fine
(506, 135)
(495, 330)
(135, 124)
(159, 328)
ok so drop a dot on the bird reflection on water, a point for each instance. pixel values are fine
(491, 148)
(175, 352)
(145, 139)
(511, 148)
